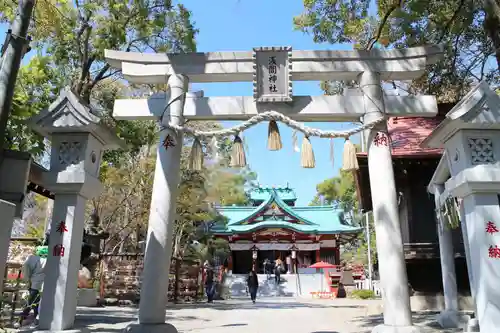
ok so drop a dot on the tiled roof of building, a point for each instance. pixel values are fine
(275, 213)
(406, 134)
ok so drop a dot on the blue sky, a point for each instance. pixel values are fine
(240, 25)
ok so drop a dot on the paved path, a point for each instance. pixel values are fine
(268, 315)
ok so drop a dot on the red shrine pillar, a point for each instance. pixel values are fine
(318, 255)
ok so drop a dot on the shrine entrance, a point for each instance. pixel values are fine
(272, 71)
(242, 262)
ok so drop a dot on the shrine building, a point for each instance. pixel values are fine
(413, 170)
(272, 227)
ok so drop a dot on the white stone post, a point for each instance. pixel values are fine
(392, 269)
(58, 305)
(480, 208)
(154, 287)
(449, 318)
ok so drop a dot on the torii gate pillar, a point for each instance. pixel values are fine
(154, 288)
(392, 269)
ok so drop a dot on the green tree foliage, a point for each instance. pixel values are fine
(35, 217)
(341, 192)
(73, 35)
(123, 207)
(76, 33)
(468, 29)
(201, 191)
(338, 191)
(34, 91)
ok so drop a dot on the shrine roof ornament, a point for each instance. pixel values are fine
(262, 193)
(238, 66)
(479, 109)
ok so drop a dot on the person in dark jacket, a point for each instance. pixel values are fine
(268, 268)
(209, 284)
(253, 284)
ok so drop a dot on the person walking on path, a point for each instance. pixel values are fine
(34, 272)
(222, 292)
(209, 284)
(268, 268)
(278, 268)
(253, 284)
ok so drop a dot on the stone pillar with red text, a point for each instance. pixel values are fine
(482, 218)
(63, 262)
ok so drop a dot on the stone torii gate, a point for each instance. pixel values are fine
(369, 68)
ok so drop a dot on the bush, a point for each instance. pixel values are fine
(363, 294)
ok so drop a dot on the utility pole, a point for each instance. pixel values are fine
(16, 45)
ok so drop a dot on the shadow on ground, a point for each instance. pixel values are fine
(259, 305)
(425, 319)
(116, 319)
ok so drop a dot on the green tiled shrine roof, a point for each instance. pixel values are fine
(310, 219)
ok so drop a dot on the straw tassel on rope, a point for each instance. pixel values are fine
(196, 157)
(349, 160)
(273, 136)
(238, 159)
(307, 154)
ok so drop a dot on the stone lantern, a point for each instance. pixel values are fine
(470, 172)
(78, 143)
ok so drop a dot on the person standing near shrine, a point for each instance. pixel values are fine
(209, 283)
(253, 284)
(288, 264)
(34, 272)
(268, 268)
(278, 268)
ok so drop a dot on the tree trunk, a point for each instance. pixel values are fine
(177, 243)
(492, 25)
